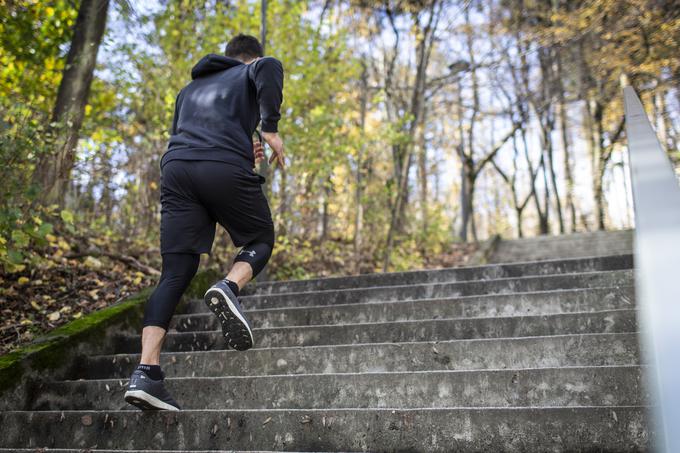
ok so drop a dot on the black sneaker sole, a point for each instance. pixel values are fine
(234, 327)
(147, 402)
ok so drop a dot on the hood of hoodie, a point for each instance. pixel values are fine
(213, 63)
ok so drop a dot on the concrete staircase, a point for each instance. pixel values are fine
(577, 245)
(536, 356)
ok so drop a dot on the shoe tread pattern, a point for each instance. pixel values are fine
(234, 330)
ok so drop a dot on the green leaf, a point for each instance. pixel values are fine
(15, 256)
(67, 216)
(20, 238)
(45, 229)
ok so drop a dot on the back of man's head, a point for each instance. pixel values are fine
(244, 48)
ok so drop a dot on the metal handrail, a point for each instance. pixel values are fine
(656, 195)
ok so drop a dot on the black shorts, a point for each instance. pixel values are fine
(197, 194)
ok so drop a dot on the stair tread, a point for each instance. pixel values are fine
(372, 373)
(462, 273)
(621, 320)
(436, 290)
(622, 272)
(558, 291)
(619, 428)
(425, 320)
(563, 386)
(527, 303)
(400, 344)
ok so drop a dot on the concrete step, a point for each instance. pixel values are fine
(450, 275)
(564, 247)
(581, 245)
(543, 387)
(544, 302)
(609, 321)
(431, 291)
(592, 236)
(502, 353)
(568, 252)
(621, 429)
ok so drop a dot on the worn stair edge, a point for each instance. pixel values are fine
(440, 290)
(529, 303)
(543, 387)
(609, 321)
(614, 429)
(526, 352)
(447, 275)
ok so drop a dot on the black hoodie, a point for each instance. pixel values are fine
(217, 113)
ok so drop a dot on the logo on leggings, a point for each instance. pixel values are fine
(252, 253)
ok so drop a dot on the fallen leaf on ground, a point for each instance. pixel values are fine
(54, 316)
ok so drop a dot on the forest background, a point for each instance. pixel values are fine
(413, 129)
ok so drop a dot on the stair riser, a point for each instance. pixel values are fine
(508, 430)
(394, 293)
(562, 243)
(436, 330)
(539, 352)
(573, 253)
(609, 386)
(567, 247)
(522, 253)
(487, 306)
(613, 237)
(447, 275)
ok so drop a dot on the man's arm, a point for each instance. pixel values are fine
(267, 76)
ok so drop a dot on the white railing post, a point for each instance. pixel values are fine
(656, 195)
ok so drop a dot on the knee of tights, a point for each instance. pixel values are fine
(178, 270)
(257, 255)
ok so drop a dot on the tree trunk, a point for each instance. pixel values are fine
(461, 155)
(471, 176)
(422, 176)
(53, 170)
(598, 163)
(425, 39)
(467, 205)
(325, 216)
(519, 213)
(564, 129)
(544, 226)
(553, 181)
(359, 214)
(545, 111)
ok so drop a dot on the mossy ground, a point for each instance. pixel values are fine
(54, 349)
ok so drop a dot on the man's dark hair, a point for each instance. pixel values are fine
(244, 47)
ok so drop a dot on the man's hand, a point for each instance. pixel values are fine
(276, 144)
(258, 151)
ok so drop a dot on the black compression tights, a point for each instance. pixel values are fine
(257, 255)
(179, 269)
